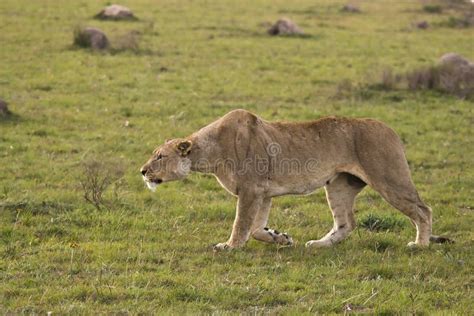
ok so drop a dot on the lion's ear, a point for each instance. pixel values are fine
(184, 147)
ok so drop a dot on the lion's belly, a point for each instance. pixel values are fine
(281, 185)
(280, 190)
(300, 187)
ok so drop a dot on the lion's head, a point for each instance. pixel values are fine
(169, 162)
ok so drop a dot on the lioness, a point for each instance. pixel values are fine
(257, 160)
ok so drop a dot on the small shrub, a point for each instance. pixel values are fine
(97, 176)
(432, 8)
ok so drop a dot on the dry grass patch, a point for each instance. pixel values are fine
(127, 42)
(97, 176)
(453, 75)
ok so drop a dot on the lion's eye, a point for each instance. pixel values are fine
(159, 157)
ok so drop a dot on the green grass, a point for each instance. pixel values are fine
(150, 252)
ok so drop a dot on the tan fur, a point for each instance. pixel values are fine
(251, 157)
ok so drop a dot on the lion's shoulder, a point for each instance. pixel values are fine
(241, 116)
(238, 120)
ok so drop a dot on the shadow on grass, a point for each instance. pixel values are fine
(36, 208)
(233, 32)
(136, 52)
(307, 11)
(10, 118)
(115, 20)
(301, 36)
(117, 51)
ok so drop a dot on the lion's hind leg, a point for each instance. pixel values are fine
(409, 203)
(340, 193)
(397, 188)
(386, 170)
(261, 232)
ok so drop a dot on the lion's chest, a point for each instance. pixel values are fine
(227, 183)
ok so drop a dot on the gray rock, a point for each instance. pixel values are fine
(284, 26)
(91, 37)
(422, 25)
(115, 12)
(456, 74)
(350, 8)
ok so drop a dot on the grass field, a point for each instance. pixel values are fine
(151, 252)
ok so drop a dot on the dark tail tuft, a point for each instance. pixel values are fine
(441, 240)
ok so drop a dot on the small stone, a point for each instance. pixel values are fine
(422, 25)
(457, 75)
(350, 8)
(284, 26)
(115, 12)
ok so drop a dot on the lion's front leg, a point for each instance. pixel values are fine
(261, 232)
(247, 208)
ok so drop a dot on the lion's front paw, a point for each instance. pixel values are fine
(221, 247)
(417, 245)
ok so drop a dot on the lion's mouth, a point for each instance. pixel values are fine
(152, 183)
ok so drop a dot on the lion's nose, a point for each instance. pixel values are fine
(143, 171)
